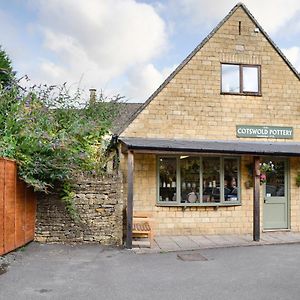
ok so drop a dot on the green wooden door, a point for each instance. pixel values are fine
(276, 196)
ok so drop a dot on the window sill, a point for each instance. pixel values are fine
(169, 204)
(242, 94)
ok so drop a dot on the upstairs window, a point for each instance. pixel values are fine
(240, 79)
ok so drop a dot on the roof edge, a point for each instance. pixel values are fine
(193, 53)
(212, 146)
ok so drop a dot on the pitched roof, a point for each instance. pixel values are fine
(125, 111)
(192, 54)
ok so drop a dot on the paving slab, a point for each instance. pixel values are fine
(283, 237)
(218, 239)
(295, 236)
(236, 240)
(269, 238)
(202, 241)
(184, 242)
(247, 237)
(166, 243)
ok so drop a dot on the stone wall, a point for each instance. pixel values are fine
(99, 203)
(191, 105)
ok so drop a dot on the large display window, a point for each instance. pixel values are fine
(194, 180)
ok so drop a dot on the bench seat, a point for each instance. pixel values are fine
(143, 226)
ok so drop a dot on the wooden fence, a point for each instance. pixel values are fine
(17, 209)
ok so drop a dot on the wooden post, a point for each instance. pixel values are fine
(256, 200)
(130, 161)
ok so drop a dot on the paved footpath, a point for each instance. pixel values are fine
(91, 272)
(183, 243)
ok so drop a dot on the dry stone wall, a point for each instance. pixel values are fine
(99, 203)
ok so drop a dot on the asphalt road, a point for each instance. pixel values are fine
(90, 272)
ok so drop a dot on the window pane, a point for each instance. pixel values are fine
(230, 79)
(250, 79)
(190, 179)
(275, 184)
(231, 179)
(167, 179)
(211, 179)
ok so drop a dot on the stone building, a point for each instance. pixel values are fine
(215, 149)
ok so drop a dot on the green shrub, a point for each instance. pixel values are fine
(53, 135)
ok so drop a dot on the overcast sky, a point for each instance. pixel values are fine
(125, 47)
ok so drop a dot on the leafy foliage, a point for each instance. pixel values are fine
(67, 196)
(52, 135)
(6, 70)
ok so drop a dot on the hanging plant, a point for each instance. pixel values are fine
(263, 178)
(266, 167)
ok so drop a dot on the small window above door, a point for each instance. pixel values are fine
(240, 79)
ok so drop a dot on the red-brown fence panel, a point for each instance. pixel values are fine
(20, 211)
(17, 209)
(9, 205)
(1, 206)
(30, 215)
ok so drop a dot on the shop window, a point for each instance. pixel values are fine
(230, 179)
(211, 180)
(167, 179)
(190, 179)
(202, 180)
(240, 79)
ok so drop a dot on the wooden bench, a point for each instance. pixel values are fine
(143, 226)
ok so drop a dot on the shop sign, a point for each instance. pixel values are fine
(246, 131)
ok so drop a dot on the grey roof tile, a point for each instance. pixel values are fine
(125, 111)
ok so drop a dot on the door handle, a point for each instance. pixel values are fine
(265, 200)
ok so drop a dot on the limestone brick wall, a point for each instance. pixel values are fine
(191, 105)
(189, 220)
(206, 220)
(99, 203)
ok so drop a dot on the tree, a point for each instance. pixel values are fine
(6, 70)
(50, 137)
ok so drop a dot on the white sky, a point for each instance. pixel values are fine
(125, 47)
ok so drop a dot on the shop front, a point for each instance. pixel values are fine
(216, 148)
(209, 187)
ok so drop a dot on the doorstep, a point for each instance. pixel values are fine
(164, 244)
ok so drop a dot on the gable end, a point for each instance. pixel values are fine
(198, 48)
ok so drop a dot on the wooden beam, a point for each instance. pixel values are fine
(256, 198)
(129, 212)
